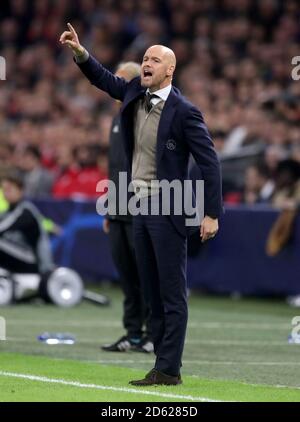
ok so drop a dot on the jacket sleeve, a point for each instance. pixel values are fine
(102, 78)
(201, 146)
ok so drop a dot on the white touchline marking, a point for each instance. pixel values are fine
(293, 387)
(198, 362)
(239, 342)
(90, 324)
(104, 387)
(193, 325)
(247, 343)
(286, 386)
(239, 325)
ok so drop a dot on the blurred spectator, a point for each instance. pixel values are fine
(272, 157)
(80, 174)
(6, 152)
(37, 180)
(287, 188)
(258, 185)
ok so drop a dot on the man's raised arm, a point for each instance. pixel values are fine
(91, 68)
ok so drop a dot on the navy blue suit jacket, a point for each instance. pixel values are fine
(181, 126)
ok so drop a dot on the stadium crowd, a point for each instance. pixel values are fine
(233, 61)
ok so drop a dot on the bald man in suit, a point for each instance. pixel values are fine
(160, 130)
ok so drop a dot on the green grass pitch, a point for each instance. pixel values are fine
(236, 350)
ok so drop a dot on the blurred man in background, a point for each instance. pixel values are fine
(287, 185)
(119, 229)
(38, 180)
(259, 186)
(24, 245)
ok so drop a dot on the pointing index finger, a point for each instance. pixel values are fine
(71, 28)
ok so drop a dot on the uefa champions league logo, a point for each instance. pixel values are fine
(2, 69)
(2, 328)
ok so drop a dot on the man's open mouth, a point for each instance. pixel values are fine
(147, 73)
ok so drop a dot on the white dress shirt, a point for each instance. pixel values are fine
(162, 93)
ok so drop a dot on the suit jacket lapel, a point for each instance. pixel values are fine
(165, 123)
(138, 93)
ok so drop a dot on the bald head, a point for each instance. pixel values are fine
(165, 52)
(158, 67)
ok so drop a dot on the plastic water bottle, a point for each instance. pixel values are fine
(56, 338)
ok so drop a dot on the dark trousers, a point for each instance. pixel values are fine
(136, 314)
(161, 257)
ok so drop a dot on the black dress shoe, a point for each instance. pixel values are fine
(155, 377)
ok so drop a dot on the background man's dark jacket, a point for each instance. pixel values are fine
(118, 163)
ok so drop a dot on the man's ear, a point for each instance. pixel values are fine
(170, 70)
